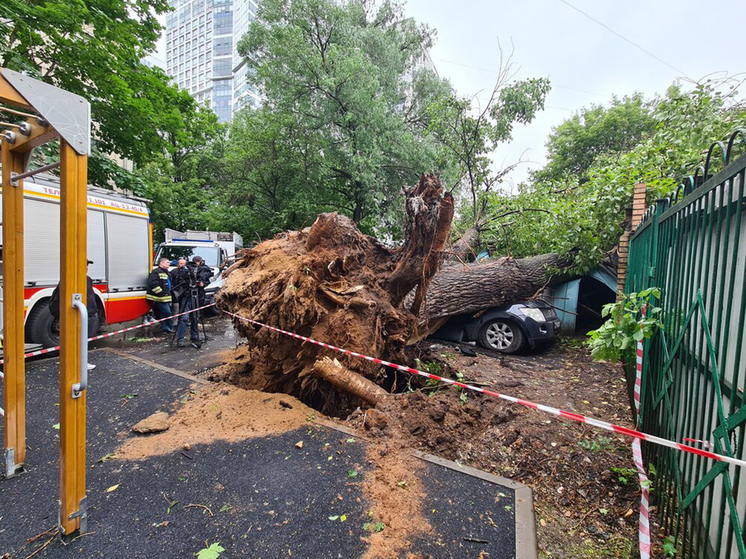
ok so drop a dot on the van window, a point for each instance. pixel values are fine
(173, 253)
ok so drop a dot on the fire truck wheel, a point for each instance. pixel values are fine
(42, 326)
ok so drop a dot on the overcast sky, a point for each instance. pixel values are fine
(585, 62)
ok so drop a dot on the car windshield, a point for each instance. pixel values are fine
(173, 253)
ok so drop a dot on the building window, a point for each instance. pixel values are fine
(222, 46)
(221, 67)
(223, 22)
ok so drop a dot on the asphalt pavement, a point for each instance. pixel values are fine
(260, 497)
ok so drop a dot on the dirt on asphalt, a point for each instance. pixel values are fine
(584, 483)
(586, 493)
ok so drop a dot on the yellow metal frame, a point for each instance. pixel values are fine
(73, 235)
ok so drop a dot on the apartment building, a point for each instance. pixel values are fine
(201, 39)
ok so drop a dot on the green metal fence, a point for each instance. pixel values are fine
(693, 246)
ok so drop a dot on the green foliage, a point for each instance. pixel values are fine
(271, 177)
(210, 551)
(596, 131)
(598, 444)
(616, 337)
(94, 48)
(577, 205)
(432, 367)
(184, 181)
(669, 546)
(345, 107)
(624, 475)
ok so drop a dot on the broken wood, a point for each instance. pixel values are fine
(335, 374)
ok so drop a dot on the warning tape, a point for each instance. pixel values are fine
(109, 334)
(547, 409)
(706, 444)
(644, 525)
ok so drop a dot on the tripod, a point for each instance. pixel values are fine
(192, 302)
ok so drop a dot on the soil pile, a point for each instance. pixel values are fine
(220, 413)
(332, 283)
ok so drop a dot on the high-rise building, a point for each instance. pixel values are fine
(201, 39)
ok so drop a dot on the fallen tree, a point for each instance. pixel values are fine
(332, 283)
(462, 289)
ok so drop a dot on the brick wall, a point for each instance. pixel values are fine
(634, 216)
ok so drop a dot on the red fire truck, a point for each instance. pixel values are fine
(119, 244)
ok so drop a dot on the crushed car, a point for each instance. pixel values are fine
(509, 328)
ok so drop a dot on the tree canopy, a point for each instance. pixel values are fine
(577, 204)
(358, 113)
(348, 83)
(94, 48)
(595, 131)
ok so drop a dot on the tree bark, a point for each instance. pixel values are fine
(351, 382)
(463, 289)
(429, 215)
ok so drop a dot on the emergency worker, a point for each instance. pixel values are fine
(159, 292)
(181, 262)
(91, 306)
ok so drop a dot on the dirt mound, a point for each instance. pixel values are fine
(441, 423)
(332, 283)
(220, 412)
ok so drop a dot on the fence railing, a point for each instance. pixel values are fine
(693, 246)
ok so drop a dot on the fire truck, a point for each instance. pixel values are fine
(119, 245)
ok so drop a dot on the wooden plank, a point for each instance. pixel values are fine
(9, 95)
(14, 394)
(73, 223)
(39, 135)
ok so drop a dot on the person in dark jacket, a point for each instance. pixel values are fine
(189, 288)
(91, 306)
(159, 292)
(180, 263)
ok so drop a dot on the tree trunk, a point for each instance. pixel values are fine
(464, 249)
(428, 225)
(463, 289)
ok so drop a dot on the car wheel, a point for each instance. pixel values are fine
(502, 335)
(43, 327)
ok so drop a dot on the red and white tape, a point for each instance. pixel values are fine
(706, 444)
(547, 409)
(644, 526)
(109, 334)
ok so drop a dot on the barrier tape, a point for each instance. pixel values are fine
(109, 334)
(527, 403)
(706, 444)
(644, 525)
